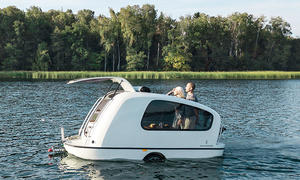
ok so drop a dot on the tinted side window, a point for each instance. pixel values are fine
(165, 115)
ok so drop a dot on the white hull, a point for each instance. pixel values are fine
(110, 153)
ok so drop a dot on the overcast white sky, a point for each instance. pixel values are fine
(287, 9)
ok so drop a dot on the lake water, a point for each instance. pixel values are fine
(262, 139)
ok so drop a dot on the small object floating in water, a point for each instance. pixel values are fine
(42, 119)
(136, 125)
(50, 149)
(56, 151)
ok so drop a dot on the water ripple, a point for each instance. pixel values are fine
(262, 138)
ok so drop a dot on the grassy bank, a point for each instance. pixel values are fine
(66, 75)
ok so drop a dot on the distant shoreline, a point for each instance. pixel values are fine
(66, 75)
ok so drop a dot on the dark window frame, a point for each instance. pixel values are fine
(172, 129)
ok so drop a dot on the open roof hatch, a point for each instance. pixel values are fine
(123, 82)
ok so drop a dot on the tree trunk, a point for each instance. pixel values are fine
(270, 53)
(157, 58)
(231, 48)
(148, 58)
(256, 41)
(113, 58)
(105, 60)
(119, 58)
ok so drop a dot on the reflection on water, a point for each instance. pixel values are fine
(262, 137)
(180, 169)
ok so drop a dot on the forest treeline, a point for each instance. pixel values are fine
(139, 38)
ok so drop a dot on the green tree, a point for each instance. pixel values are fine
(61, 49)
(138, 28)
(111, 37)
(164, 24)
(278, 49)
(42, 60)
(58, 40)
(132, 26)
(149, 27)
(294, 59)
(11, 58)
(135, 61)
(79, 47)
(197, 39)
(12, 38)
(106, 38)
(60, 19)
(176, 59)
(176, 55)
(116, 35)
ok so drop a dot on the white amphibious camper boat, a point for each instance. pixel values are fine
(130, 124)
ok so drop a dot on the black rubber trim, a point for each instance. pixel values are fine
(135, 148)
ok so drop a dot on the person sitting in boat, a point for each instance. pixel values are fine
(178, 122)
(145, 89)
(191, 113)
